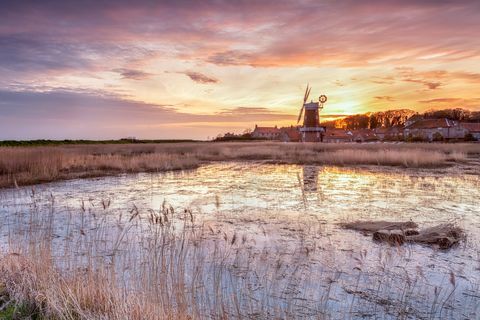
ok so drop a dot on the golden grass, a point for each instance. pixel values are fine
(35, 283)
(151, 266)
(95, 264)
(34, 165)
(27, 165)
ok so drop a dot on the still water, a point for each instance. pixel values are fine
(270, 204)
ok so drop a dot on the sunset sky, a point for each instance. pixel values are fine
(193, 69)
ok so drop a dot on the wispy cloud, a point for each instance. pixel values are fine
(256, 113)
(133, 74)
(224, 33)
(429, 84)
(241, 53)
(471, 102)
(69, 114)
(200, 77)
(28, 52)
(385, 98)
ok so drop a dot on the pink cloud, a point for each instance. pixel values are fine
(276, 33)
(426, 46)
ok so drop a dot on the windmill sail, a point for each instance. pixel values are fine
(305, 98)
(300, 115)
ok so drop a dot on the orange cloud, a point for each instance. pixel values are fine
(366, 55)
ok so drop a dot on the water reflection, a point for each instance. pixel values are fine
(333, 193)
(275, 204)
(310, 178)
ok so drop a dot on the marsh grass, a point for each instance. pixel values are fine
(19, 166)
(94, 262)
(29, 165)
(158, 264)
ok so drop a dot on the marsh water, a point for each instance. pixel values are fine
(289, 208)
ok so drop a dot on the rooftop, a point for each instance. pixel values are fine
(471, 126)
(338, 133)
(266, 130)
(292, 133)
(431, 124)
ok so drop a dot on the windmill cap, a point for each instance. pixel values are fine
(311, 105)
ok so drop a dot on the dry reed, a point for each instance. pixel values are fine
(97, 263)
(20, 165)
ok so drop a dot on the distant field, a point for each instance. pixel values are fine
(36, 164)
(43, 142)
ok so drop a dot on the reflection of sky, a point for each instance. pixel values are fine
(275, 200)
(332, 193)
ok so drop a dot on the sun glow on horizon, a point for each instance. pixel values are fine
(166, 65)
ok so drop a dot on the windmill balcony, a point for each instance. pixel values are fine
(312, 129)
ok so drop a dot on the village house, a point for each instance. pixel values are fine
(394, 133)
(290, 134)
(268, 133)
(334, 135)
(364, 135)
(472, 128)
(435, 130)
(381, 132)
(418, 129)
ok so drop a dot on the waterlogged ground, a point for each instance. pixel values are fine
(284, 243)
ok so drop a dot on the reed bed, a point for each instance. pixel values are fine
(20, 165)
(141, 265)
(96, 263)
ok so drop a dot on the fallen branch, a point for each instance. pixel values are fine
(397, 233)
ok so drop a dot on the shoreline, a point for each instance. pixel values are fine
(38, 165)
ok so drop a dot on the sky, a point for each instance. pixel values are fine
(194, 69)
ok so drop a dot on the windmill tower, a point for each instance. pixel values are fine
(311, 131)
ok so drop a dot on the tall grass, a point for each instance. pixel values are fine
(42, 164)
(143, 265)
(93, 263)
(20, 165)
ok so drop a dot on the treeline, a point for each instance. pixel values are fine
(43, 142)
(458, 114)
(391, 118)
(372, 120)
(231, 137)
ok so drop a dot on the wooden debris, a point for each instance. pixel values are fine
(397, 233)
(394, 237)
(372, 226)
(443, 235)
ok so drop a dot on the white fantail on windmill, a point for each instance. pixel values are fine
(311, 131)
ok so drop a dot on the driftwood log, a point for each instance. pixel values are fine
(443, 235)
(397, 233)
(396, 237)
(372, 226)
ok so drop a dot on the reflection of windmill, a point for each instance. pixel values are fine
(310, 178)
(311, 131)
(309, 184)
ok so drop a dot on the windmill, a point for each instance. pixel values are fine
(311, 131)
